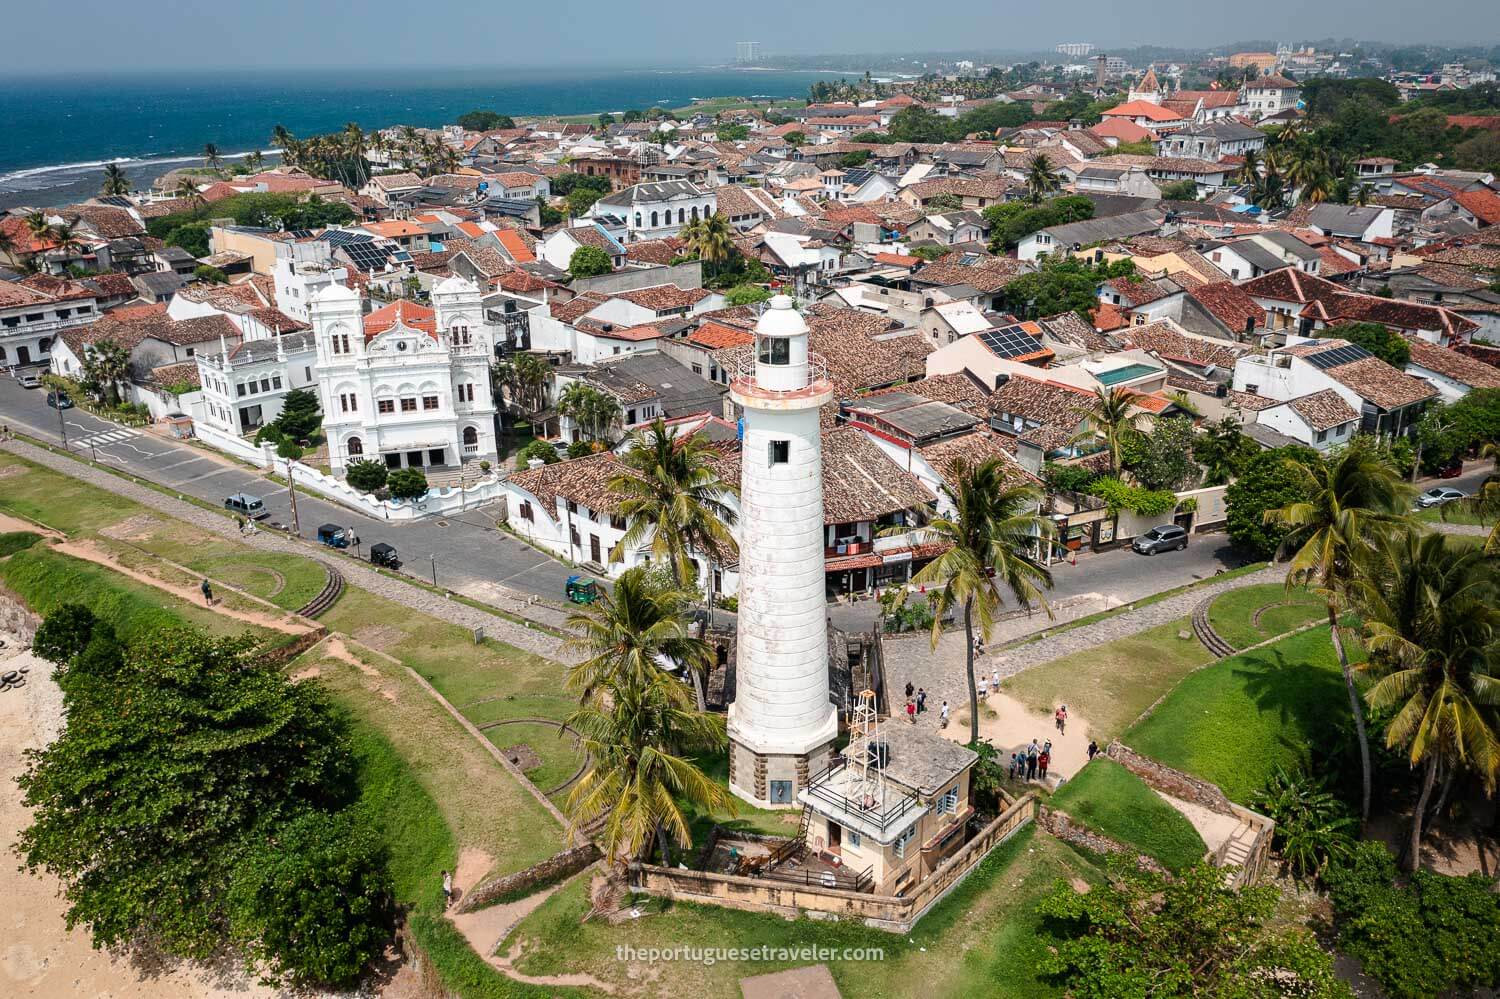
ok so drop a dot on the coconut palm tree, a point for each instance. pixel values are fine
(66, 240)
(1041, 180)
(1431, 619)
(187, 190)
(39, 227)
(115, 181)
(989, 534)
(255, 160)
(211, 157)
(1113, 418)
(107, 364)
(673, 500)
(1351, 499)
(635, 721)
(532, 373)
(1249, 172)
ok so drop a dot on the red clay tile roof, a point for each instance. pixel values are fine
(717, 336)
(897, 259)
(664, 297)
(1323, 410)
(1452, 364)
(409, 314)
(1162, 339)
(1142, 109)
(1484, 205)
(1251, 401)
(515, 245)
(1381, 384)
(1228, 303)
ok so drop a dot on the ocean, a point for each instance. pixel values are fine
(59, 132)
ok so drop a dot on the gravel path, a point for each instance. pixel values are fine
(405, 594)
(941, 671)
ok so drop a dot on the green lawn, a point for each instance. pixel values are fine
(62, 503)
(1111, 800)
(1453, 513)
(479, 800)
(1110, 684)
(16, 541)
(488, 682)
(981, 940)
(288, 581)
(1232, 613)
(46, 579)
(1235, 721)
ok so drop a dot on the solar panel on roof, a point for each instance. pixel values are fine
(368, 255)
(344, 237)
(115, 201)
(1347, 354)
(1010, 341)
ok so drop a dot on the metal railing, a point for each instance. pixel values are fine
(744, 369)
(883, 813)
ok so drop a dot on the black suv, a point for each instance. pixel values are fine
(1167, 537)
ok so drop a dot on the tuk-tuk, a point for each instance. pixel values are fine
(582, 590)
(383, 554)
(333, 536)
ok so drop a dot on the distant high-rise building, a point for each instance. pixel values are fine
(746, 52)
(1075, 49)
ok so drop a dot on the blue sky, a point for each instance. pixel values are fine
(108, 35)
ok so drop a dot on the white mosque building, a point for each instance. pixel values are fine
(782, 725)
(410, 397)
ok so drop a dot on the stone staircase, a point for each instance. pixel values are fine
(1205, 632)
(448, 477)
(1236, 852)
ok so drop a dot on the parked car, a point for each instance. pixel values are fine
(1166, 538)
(1438, 495)
(29, 379)
(333, 536)
(1452, 470)
(244, 503)
(383, 554)
(59, 400)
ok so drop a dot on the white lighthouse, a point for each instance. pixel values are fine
(782, 725)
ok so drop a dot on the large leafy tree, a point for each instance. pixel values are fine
(1164, 457)
(1147, 935)
(588, 261)
(180, 753)
(594, 411)
(300, 415)
(1377, 338)
(1345, 502)
(989, 536)
(1430, 616)
(1222, 450)
(636, 722)
(674, 501)
(1265, 481)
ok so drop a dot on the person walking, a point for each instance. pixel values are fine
(1093, 749)
(978, 646)
(943, 716)
(921, 700)
(1031, 759)
(1061, 718)
(911, 711)
(208, 593)
(994, 681)
(447, 889)
(1015, 759)
(909, 690)
(1043, 758)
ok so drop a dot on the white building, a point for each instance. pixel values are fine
(298, 280)
(31, 319)
(243, 386)
(410, 397)
(782, 726)
(656, 210)
(1269, 95)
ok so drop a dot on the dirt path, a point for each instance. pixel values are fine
(1010, 726)
(1214, 827)
(90, 552)
(11, 525)
(486, 929)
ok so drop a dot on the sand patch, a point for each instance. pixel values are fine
(11, 471)
(379, 636)
(1214, 827)
(141, 527)
(1010, 726)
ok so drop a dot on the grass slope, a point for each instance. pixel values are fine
(982, 939)
(46, 579)
(478, 799)
(1111, 800)
(1232, 614)
(1235, 721)
(1109, 684)
(62, 503)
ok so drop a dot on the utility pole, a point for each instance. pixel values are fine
(434, 569)
(291, 485)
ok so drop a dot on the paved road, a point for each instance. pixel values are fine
(470, 551)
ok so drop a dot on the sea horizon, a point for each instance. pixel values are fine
(62, 131)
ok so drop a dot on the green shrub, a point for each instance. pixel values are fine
(17, 541)
(407, 483)
(366, 475)
(1313, 828)
(1123, 496)
(1433, 934)
(535, 449)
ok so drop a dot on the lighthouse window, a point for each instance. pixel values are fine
(775, 350)
(781, 452)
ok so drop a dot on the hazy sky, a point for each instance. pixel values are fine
(78, 35)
